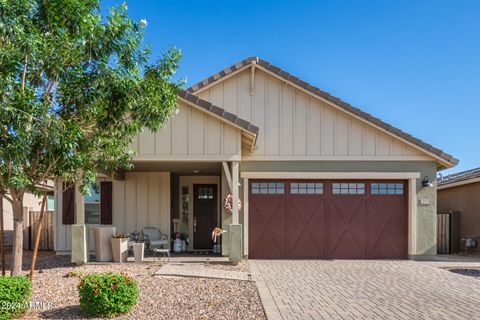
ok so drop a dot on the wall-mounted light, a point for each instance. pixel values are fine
(426, 182)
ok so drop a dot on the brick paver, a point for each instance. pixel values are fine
(198, 270)
(359, 289)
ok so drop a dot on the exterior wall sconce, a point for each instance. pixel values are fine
(426, 182)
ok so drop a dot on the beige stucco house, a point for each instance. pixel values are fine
(31, 203)
(460, 192)
(317, 177)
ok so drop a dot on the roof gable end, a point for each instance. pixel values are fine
(445, 160)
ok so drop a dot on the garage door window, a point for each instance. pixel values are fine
(268, 188)
(306, 188)
(384, 188)
(348, 188)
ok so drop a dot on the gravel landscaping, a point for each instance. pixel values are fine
(242, 266)
(159, 297)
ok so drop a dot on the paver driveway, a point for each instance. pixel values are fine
(353, 289)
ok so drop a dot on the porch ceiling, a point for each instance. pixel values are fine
(186, 168)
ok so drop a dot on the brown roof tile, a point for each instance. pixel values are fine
(324, 95)
(210, 107)
(459, 177)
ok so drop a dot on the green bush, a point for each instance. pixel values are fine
(107, 294)
(15, 293)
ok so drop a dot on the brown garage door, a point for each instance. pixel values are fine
(328, 219)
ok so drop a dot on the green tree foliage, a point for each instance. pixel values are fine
(75, 88)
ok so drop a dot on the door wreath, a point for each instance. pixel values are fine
(228, 204)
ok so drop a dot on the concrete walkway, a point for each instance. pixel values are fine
(359, 289)
(199, 270)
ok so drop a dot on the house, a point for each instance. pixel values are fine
(461, 192)
(317, 177)
(30, 203)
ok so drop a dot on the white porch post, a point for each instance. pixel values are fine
(79, 234)
(235, 234)
(235, 191)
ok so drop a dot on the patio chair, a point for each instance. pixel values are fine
(154, 237)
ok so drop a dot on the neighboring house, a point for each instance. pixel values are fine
(461, 192)
(30, 203)
(318, 178)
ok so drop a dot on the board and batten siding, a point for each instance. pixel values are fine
(141, 200)
(297, 126)
(190, 135)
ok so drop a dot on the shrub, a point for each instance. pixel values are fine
(74, 274)
(107, 294)
(15, 293)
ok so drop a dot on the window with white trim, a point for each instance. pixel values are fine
(92, 204)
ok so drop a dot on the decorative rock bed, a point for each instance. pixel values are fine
(159, 297)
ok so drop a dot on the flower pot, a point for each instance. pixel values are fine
(120, 249)
(138, 250)
(103, 248)
(177, 246)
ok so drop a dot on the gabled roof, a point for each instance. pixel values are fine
(218, 112)
(460, 178)
(445, 159)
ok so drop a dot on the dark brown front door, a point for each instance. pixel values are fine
(204, 215)
(333, 219)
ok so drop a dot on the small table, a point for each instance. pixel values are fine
(166, 252)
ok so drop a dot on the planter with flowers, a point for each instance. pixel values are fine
(120, 247)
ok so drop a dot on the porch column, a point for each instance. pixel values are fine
(235, 239)
(235, 192)
(79, 234)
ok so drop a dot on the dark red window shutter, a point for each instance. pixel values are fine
(68, 203)
(106, 202)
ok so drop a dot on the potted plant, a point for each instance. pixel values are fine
(120, 246)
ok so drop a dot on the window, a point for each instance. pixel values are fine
(185, 203)
(348, 188)
(205, 193)
(268, 188)
(382, 188)
(51, 202)
(306, 188)
(92, 204)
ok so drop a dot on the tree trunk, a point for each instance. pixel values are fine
(2, 235)
(37, 239)
(17, 247)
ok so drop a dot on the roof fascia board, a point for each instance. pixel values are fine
(457, 184)
(254, 136)
(221, 79)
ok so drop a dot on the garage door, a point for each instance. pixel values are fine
(299, 219)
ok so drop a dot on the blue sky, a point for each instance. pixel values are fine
(414, 64)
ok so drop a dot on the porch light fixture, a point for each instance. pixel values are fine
(426, 182)
(196, 171)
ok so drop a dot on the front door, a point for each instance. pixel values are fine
(204, 215)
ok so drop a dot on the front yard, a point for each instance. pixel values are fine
(159, 297)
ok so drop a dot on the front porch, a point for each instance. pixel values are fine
(184, 200)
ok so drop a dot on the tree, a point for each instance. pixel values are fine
(76, 88)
